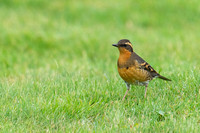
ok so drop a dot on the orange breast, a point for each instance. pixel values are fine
(133, 74)
(129, 69)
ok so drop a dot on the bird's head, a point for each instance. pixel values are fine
(124, 46)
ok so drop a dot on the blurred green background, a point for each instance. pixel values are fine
(58, 69)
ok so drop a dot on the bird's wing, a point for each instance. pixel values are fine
(144, 65)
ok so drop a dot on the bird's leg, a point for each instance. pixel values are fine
(145, 91)
(128, 87)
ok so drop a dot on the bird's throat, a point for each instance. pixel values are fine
(124, 57)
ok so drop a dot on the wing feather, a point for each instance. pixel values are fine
(144, 65)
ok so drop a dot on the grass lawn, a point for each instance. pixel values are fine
(58, 70)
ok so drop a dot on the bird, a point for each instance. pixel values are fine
(132, 68)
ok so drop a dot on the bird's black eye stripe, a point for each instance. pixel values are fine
(123, 45)
(126, 46)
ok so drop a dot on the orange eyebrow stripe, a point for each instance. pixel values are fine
(128, 43)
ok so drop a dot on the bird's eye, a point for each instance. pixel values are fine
(123, 45)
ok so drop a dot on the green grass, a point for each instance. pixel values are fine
(58, 69)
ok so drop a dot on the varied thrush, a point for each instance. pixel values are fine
(132, 68)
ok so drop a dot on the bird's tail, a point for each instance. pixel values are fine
(164, 78)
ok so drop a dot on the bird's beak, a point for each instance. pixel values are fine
(115, 45)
